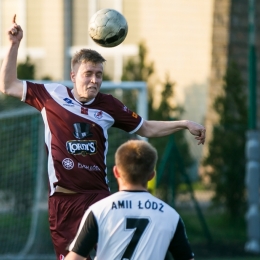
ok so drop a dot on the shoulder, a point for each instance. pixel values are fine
(166, 207)
(106, 97)
(108, 103)
(33, 84)
(55, 86)
(104, 204)
(49, 86)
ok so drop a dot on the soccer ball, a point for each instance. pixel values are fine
(108, 28)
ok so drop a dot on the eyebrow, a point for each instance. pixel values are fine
(99, 71)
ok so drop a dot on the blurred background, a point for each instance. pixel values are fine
(199, 61)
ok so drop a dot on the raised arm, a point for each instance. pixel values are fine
(163, 128)
(9, 83)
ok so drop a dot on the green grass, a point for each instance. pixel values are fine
(221, 228)
(228, 236)
(14, 229)
(14, 232)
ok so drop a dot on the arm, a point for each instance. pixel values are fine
(162, 128)
(9, 84)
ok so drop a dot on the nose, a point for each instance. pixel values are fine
(93, 79)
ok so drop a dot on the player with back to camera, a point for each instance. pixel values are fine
(76, 124)
(132, 223)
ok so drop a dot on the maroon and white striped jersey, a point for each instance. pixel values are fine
(76, 134)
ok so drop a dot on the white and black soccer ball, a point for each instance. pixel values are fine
(108, 28)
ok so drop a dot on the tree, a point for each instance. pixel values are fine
(226, 158)
(167, 111)
(139, 69)
(26, 70)
(23, 129)
(136, 69)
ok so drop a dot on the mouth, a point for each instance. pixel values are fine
(92, 88)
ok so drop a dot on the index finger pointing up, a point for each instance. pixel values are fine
(14, 19)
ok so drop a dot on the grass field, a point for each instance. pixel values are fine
(228, 237)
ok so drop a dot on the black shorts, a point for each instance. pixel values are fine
(65, 213)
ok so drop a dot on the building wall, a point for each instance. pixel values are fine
(43, 35)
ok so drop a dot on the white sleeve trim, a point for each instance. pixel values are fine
(137, 128)
(24, 91)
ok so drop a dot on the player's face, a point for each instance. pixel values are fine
(87, 79)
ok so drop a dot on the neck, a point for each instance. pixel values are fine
(80, 99)
(132, 187)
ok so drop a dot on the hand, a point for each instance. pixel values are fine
(15, 32)
(198, 130)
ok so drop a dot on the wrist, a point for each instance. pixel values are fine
(186, 123)
(14, 44)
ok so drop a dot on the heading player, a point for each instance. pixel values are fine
(76, 133)
(132, 223)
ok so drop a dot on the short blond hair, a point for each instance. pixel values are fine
(85, 55)
(137, 160)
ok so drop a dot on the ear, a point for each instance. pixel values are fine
(72, 76)
(151, 176)
(116, 173)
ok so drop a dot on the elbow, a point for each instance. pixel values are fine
(145, 130)
(12, 88)
(3, 88)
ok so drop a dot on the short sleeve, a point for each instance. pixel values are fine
(87, 236)
(125, 118)
(35, 94)
(180, 246)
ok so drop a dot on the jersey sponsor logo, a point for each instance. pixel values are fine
(67, 163)
(82, 130)
(98, 114)
(89, 167)
(84, 110)
(134, 115)
(69, 102)
(125, 108)
(80, 147)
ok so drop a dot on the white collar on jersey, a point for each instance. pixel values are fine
(87, 103)
(135, 190)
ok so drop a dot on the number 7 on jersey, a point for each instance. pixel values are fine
(139, 224)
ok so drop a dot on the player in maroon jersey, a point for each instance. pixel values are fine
(76, 123)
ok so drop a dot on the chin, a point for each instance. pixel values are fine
(87, 98)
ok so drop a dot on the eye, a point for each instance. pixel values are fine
(99, 75)
(87, 74)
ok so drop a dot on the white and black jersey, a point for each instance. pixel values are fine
(132, 225)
